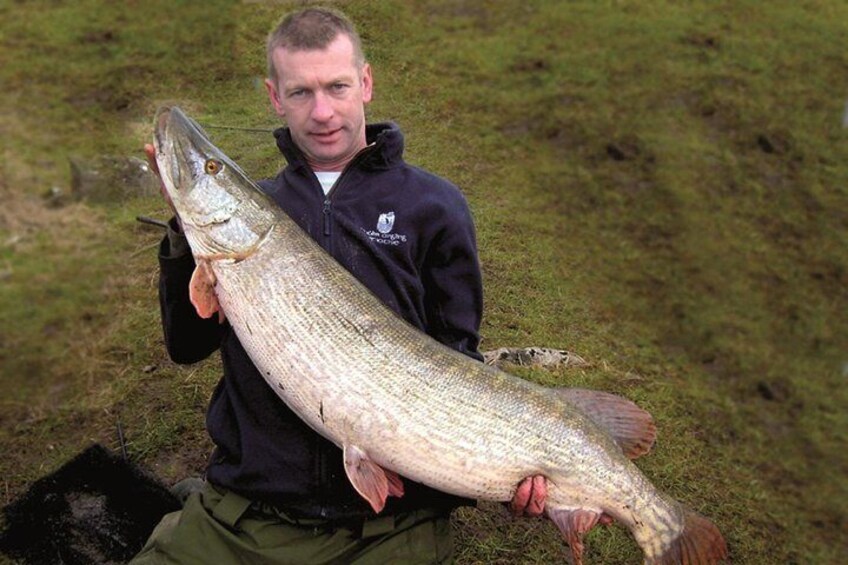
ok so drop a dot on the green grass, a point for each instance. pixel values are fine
(660, 187)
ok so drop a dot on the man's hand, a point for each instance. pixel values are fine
(150, 151)
(529, 498)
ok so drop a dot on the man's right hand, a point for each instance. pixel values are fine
(529, 498)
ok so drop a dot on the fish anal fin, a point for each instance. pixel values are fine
(201, 291)
(700, 543)
(573, 524)
(371, 481)
(631, 427)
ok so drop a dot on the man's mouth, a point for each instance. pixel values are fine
(325, 135)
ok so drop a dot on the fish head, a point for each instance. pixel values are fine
(223, 213)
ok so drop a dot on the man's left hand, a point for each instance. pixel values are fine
(529, 498)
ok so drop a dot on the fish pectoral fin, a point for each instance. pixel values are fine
(573, 524)
(631, 427)
(371, 481)
(201, 291)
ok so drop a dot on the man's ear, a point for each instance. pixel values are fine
(274, 97)
(367, 83)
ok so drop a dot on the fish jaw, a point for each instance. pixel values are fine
(177, 156)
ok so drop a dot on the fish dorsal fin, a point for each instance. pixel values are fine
(371, 481)
(629, 425)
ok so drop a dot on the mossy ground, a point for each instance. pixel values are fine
(658, 186)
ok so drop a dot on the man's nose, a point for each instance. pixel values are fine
(322, 111)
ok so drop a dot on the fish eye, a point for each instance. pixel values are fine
(213, 166)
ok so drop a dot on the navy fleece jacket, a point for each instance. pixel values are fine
(408, 236)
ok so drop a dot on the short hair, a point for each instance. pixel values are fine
(308, 29)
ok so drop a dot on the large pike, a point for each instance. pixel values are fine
(396, 401)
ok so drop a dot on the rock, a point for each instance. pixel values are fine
(111, 178)
(55, 197)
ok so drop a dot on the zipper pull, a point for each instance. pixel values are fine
(327, 217)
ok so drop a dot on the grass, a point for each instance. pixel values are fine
(659, 187)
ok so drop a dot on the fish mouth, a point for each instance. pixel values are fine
(168, 142)
(181, 147)
(171, 125)
(172, 120)
(160, 126)
(178, 135)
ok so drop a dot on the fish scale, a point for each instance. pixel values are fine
(389, 394)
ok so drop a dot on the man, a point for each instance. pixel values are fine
(276, 491)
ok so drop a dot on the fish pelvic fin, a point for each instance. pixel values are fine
(374, 483)
(700, 543)
(630, 426)
(573, 524)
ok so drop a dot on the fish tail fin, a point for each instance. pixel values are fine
(700, 543)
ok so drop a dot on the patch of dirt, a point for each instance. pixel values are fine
(702, 40)
(775, 390)
(100, 36)
(530, 65)
(628, 148)
(564, 135)
(21, 214)
(26, 192)
(189, 460)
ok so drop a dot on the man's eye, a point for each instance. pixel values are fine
(339, 87)
(297, 93)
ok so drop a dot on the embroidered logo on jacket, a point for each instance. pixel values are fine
(384, 235)
(386, 222)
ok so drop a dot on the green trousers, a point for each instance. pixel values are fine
(222, 527)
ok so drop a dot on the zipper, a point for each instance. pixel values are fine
(328, 209)
(327, 223)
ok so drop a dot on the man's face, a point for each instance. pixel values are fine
(322, 95)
